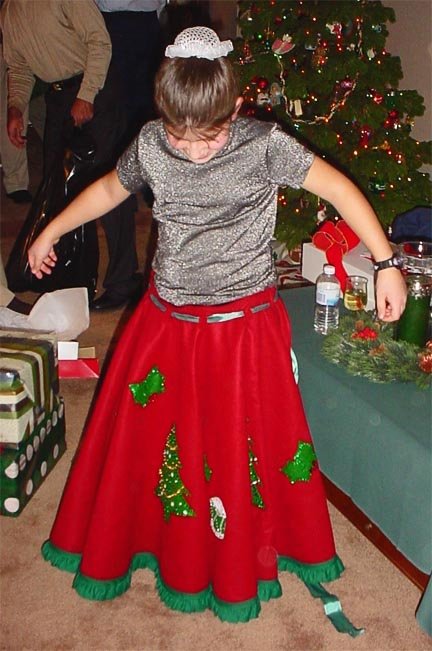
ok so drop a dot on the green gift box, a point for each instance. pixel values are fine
(23, 468)
(28, 385)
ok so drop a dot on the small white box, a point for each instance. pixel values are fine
(356, 262)
(67, 350)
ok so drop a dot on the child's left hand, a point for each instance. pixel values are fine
(391, 294)
(41, 255)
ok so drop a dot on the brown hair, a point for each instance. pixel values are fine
(198, 93)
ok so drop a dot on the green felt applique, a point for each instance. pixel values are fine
(218, 517)
(152, 384)
(171, 488)
(300, 467)
(207, 470)
(255, 481)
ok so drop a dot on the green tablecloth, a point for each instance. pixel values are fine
(373, 441)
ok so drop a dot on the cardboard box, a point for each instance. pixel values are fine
(24, 467)
(67, 350)
(356, 262)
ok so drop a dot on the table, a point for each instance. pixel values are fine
(373, 442)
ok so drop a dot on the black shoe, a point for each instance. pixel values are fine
(109, 301)
(20, 196)
(19, 306)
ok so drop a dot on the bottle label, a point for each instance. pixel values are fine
(327, 294)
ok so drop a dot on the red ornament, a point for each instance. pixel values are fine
(392, 118)
(425, 358)
(283, 45)
(365, 334)
(377, 97)
(262, 83)
(365, 134)
(346, 84)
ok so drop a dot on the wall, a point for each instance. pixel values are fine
(410, 38)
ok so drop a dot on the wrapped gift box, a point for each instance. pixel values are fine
(28, 385)
(356, 262)
(23, 468)
(17, 410)
(77, 362)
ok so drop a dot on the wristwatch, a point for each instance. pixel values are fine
(394, 261)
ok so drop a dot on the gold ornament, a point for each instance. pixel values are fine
(320, 56)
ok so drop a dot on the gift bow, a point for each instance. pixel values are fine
(336, 240)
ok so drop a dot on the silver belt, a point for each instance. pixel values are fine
(218, 317)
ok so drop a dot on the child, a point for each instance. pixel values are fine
(197, 460)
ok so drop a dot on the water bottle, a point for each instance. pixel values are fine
(327, 301)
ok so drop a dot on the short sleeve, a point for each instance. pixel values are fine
(129, 169)
(288, 160)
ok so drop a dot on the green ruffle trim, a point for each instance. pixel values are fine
(101, 590)
(312, 572)
(63, 560)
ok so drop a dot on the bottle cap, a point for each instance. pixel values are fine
(329, 269)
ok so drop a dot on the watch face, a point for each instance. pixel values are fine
(397, 261)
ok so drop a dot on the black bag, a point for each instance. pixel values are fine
(78, 251)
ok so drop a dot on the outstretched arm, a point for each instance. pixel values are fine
(333, 186)
(99, 198)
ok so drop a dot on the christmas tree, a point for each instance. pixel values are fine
(255, 480)
(321, 70)
(171, 488)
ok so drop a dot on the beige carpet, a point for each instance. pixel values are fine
(41, 612)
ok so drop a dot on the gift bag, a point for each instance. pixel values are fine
(77, 252)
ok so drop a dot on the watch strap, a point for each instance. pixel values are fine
(394, 261)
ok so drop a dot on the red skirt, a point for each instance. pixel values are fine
(197, 462)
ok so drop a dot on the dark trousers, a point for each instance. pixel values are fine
(137, 50)
(106, 129)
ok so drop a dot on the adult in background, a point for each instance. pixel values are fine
(65, 43)
(8, 298)
(137, 50)
(14, 161)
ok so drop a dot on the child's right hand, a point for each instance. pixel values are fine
(41, 255)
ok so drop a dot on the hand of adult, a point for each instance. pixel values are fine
(15, 127)
(81, 112)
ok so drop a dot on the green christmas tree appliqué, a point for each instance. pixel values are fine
(255, 481)
(153, 383)
(207, 470)
(170, 488)
(299, 468)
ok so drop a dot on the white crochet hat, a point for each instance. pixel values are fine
(201, 42)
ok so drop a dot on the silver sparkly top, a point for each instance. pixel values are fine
(215, 219)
